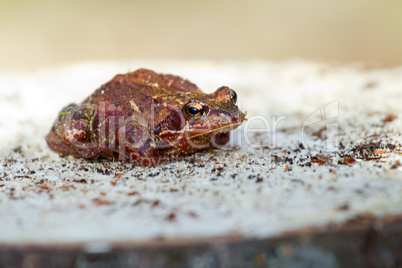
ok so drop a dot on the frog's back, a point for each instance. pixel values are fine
(162, 82)
(142, 85)
(141, 91)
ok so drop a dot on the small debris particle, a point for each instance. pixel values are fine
(298, 181)
(250, 177)
(370, 84)
(99, 202)
(379, 152)
(389, 118)
(192, 214)
(321, 159)
(154, 174)
(344, 207)
(133, 193)
(17, 150)
(396, 165)
(171, 217)
(80, 181)
(118, 176)
(288, 168)
(155, 203)
(320, 133)
(113, 183)
(349, 161)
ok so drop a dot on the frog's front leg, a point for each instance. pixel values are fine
(220, 140)
(137, 144)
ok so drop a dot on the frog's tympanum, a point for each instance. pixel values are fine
(147, 118)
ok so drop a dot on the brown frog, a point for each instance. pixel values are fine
(147, 118)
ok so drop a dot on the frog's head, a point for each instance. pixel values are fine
(71, 130)
(204, 119)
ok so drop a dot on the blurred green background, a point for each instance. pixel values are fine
(42, 33)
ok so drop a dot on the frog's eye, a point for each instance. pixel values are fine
(225, 94)
(194, 110)
(233, 96)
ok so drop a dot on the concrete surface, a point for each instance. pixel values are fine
(330, 152)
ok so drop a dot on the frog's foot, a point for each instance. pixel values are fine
(220, 140)
(136, 144)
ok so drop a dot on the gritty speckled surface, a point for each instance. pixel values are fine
(262, 185)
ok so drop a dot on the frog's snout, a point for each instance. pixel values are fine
(238, 116)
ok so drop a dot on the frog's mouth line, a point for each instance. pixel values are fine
(220, 129)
